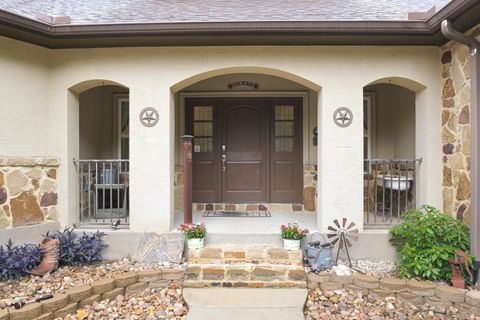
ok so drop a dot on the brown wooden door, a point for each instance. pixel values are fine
(286, 151)
(260, 143)
(244, 148)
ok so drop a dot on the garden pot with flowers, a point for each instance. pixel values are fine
(195, 234)
(292, 235)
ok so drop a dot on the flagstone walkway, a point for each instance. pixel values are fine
(245, 303)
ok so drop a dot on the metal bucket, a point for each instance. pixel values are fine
(317, 254)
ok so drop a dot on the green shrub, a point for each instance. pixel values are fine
(426, 240)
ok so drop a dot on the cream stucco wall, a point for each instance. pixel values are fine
(24, 113)
(153, 75)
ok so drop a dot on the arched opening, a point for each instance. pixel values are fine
(254, 151)
(390, 156)
(99, 136)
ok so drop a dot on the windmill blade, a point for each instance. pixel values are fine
(332, 229)
(351, 225)
(348, 243)
(336, 223)
(353, 231)
(344, 222)
(335, 241)
(353, 236)
(331, 235)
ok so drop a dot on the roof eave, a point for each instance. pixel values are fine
(463, 13)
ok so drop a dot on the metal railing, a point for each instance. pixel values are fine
(104, 189)
(389, 189)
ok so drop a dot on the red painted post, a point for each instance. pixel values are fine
(187, 179)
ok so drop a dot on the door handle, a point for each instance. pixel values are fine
(224, 160)
(224, 148)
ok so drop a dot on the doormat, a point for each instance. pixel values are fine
(238, 214)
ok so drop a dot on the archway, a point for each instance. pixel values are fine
(222, 89)
(98, 141)
(391, 155)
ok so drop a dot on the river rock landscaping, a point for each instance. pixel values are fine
(348, 304)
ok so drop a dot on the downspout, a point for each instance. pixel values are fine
(474, 47)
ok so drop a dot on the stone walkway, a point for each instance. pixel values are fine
(245, 303)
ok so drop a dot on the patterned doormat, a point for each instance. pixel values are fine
(238, 214)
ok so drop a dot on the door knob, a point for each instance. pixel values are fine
(224, 148)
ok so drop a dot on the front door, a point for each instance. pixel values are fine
(246, 149)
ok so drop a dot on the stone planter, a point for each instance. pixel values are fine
(196, 243)
(291, 244)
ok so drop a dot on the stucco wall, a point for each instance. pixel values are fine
(456, 128)
(154, 75)
(24, 113)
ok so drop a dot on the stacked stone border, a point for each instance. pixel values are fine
(28, 190)
(77, 297)
(409, 291)
(308, 205)
(249, 267)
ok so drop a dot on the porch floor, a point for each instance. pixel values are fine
(260, 225)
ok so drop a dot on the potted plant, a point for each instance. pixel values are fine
(195, 234)
(292, 234)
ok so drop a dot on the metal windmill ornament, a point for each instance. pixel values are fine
(344, 234)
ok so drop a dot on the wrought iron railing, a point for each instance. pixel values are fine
(104, 189)
(389, 189)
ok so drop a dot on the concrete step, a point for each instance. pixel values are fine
(245, 304)
(243, 239)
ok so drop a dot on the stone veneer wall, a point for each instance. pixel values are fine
(411, 291)
(28, 190)
(308, 205)
(68, 302)
(456, 128)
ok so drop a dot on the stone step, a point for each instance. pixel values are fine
(245, 254)
(245, 304)
(246, 275)
(245, 267)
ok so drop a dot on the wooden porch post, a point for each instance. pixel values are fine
(187, 179)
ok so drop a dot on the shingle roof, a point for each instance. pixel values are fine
(164, 11)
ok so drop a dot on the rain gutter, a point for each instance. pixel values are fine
(474, 46)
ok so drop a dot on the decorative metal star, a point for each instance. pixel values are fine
(343, 117)
(149, 117)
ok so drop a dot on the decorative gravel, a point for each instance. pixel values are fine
(380, 269)
(340, 304)
(149, 304)
(68, 276)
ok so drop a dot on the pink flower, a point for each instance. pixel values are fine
(283, 226)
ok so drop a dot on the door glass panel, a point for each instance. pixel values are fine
(202, 145)
(284, 128)
(283, 144)
(283, 112)
(203, 113)
(203, 129)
